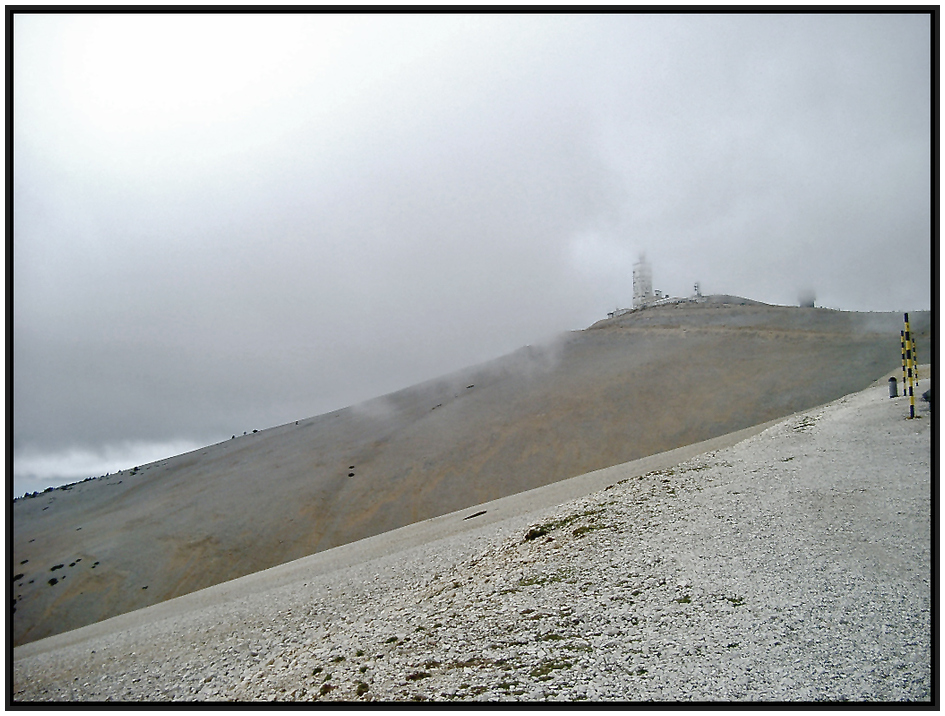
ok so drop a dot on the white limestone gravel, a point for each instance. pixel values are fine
(793, 566)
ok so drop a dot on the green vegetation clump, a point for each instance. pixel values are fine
(536, 532)
(542, 672)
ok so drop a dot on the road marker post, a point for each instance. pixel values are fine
(915, 359)
(902, 345)
(908, 337)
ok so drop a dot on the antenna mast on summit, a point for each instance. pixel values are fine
(642, 283)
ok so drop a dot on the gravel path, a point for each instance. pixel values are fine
(794, 566)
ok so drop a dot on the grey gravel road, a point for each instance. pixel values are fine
(792, 566)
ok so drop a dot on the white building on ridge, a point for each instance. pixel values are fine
(642, 283)
(644, 294)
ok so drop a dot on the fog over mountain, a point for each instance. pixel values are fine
(228, 222)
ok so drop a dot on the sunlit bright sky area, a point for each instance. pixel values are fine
(226, 222)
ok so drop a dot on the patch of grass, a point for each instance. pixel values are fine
(316, 671)
(559, 576)
(542, 672)
(551, 637)
(475, 661)
(325, 689)
(417, 675)
(685, 599)
(363, 668)
(735, 601)
(359, 652)
(391, 640)
(338, 659)
(362, 688)
(536, 532)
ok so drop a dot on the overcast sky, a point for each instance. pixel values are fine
(228, 222)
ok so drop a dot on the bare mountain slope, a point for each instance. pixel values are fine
(627, 387)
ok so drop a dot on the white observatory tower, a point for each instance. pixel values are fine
(642, 283)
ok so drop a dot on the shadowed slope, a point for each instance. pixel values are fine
(627, 387)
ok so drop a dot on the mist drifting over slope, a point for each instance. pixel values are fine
(250, 219)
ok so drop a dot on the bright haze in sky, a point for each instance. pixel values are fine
(228, 222)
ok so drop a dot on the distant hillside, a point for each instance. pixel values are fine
(627, 387)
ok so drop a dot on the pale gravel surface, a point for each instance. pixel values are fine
(793, 566)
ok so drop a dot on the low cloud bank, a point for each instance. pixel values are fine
(35, 470)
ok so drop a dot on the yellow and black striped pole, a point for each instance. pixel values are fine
(915, 360)
(902, 345)
(908, 337)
